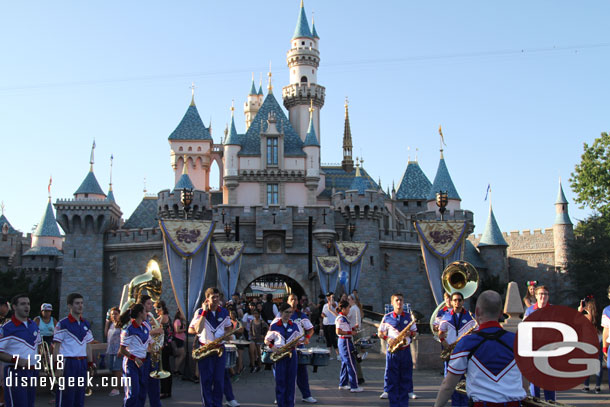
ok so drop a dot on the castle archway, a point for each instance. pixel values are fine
(279, 274)
(275, 284)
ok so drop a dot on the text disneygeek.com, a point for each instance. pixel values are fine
(61, 383)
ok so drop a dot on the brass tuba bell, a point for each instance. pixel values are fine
(459, 276)
(151, 281)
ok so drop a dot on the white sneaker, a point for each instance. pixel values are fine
(114, 392)
(356, 390)
(233, 403)
(364, 355)
(412, 396)
(274, 401)
(331, 358)
(309, 400)
(346, 387)
(383, 395)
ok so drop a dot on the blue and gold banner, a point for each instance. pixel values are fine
(328, 270)
(187, 240)
(228, 262)
(350, 259)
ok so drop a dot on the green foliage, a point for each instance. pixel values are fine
(591, 178)
(13, 282)
(590, 262)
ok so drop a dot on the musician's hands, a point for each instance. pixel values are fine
(391, 342)
(138, 362)
(206, 304)
(306, 341)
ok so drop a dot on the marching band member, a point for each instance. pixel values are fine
(19, 340)
(301, 319)
(154, 385)
(135, 339)
(606, 332)
(399, 365)
(490, 349)
(453, 325)
(542, 300)
(209, 323)
(348, 378)
(72, 337)
(280, 333)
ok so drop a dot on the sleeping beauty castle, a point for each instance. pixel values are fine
(280, 221)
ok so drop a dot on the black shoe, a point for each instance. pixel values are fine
(598, 390)
(257, 369)
(361, 381)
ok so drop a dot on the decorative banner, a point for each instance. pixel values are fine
(350, 256)
(328, 268)
(228, 261)
(442, 242)
(188, 240)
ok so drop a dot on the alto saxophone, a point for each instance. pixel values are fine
(446, 353)
(215, 346)
(401, 339)
(286, 350)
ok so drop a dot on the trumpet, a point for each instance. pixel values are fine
(47, 359)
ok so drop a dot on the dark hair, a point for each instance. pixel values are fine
(269, 297)
(457, 293)
(330, 293)
(284, 306)
(343, 305)
(211, 291)
(72, 297)
(591, 308)
(15, 299)
(179, 316)
(136, 309)
(161, 304)
(143, 298)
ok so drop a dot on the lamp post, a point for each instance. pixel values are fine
(329, 246)
(442, 198)
(227, 229)
(186, 198)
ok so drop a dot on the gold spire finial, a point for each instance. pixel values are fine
(269, 85)
(185, 165)
(416, 151)
(111, 160)
(440, 132)
(232, 107)
(92, 158)
(310, 108)
(49, 188)
(312, 16)
(192, 93)
(2, 206)
(302, 5)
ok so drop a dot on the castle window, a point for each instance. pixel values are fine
(304, 79)
(180, 149)
(198, 148)
(272, 194)
(272, 150)
(302, 42)
(418, 203)
(405, 203)
(190, 148)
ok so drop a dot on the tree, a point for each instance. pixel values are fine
(591, 178)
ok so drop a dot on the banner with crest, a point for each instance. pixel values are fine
(187, 240)
(350, 260)
(228, 262)
(328, 270)
(442, 242)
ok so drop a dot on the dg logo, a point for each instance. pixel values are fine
(556, 348)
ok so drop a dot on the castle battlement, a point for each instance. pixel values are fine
(123, 236)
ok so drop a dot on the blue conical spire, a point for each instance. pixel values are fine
(561, 197)
(443, 182)
(48, 225)
(311, 139)
(253, 87)
(492, 236)
(314, 33)
(561, 208)
(232, 137)
(414, 183)
(302, 28)
(90, 186)
(184, 182)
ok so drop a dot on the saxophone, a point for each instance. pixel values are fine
(215, 346)
(446, 353)
(401, 339)
(286, 350)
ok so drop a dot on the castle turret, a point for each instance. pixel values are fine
(492, 247)
(303, 60)
(253, 104)
(231, 162)
(563, 230)
(347, 163)
(47, 232)
(191, 139)
(311, 146)
(413, 189)
(443, 182)
(184, 182)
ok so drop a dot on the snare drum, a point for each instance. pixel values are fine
(266, 356)
(231, 351)
(320, 356)
(304, 355)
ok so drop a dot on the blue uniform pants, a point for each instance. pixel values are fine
(16, 395)
(457, 399)
(135, 394)
(348, 364)
(285, 379)
(73, 396)
(399, 372)
(303, 380)
(154, 385)
(228, 389)
(212, 379)
(548, 394)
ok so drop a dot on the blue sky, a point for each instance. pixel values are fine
(518, 87)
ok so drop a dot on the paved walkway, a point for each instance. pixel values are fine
(257, 390)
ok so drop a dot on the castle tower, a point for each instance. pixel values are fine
(303, 60)
(47, 233)
(231, 163)
(84, 220)
(443, 182)
(191, 139)
(312, 165)
(492, 247)
(347, 163)
(253, 103)
(563, 230)
(413, 189)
